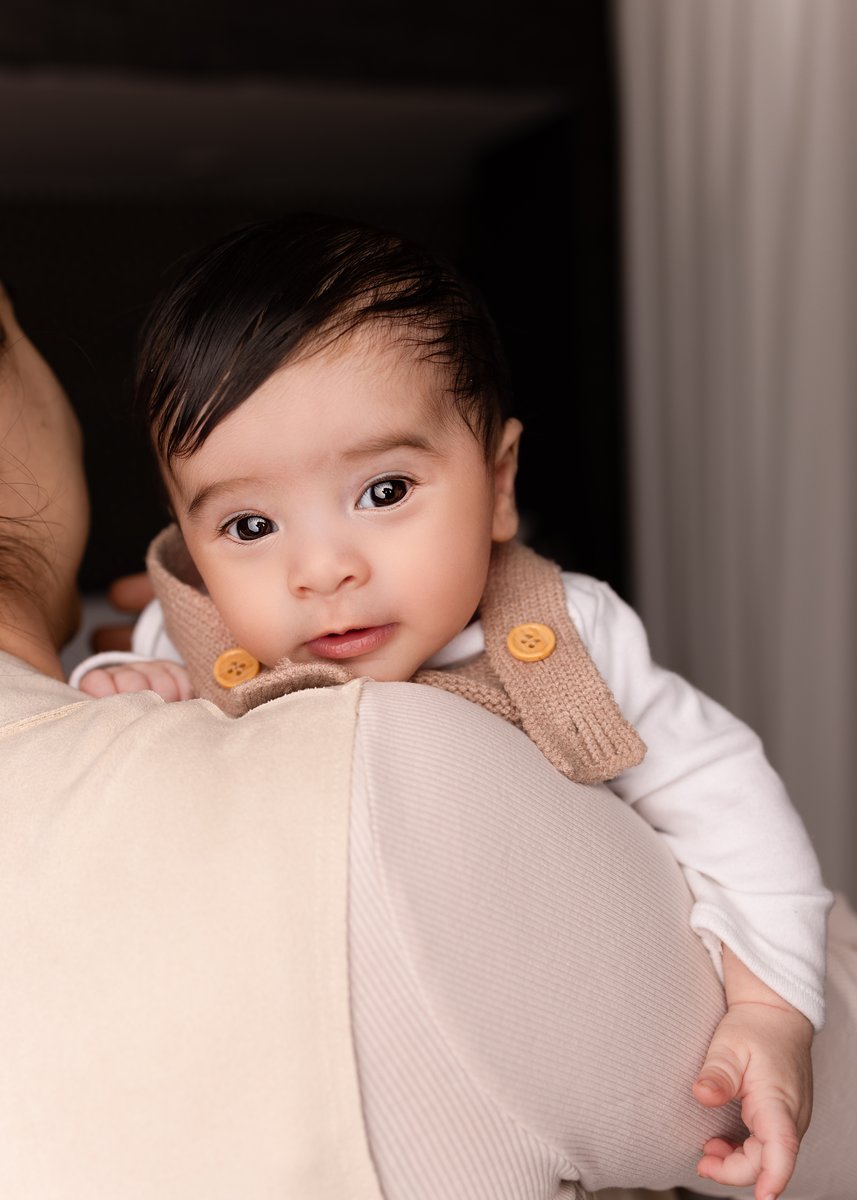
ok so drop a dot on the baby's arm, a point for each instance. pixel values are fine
(760, 1053)
(706, 786)
(760, 904)
(170, 680)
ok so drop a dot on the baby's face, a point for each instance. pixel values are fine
(335, 516)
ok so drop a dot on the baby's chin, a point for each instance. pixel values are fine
(378, 672)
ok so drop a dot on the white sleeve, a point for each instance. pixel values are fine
(150, 637)
(149, 641)
(707, 787)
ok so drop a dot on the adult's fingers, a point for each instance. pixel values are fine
(131, 593)
(111, 637)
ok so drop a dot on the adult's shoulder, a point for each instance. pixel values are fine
(26, 693)
(545, 929)
(58, 740)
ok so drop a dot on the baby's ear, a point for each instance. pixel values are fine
(505, 524)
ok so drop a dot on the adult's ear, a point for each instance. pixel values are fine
(505, 524)
(43, 500)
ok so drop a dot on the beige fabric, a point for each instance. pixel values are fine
(174, 1027)
(541, 980)
(168, 1029)
(521, 948)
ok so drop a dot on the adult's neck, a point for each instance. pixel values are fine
(25, 634)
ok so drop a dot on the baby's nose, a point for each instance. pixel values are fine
(322, 568)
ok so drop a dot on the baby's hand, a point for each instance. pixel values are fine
(760, 1053)
(169, 679)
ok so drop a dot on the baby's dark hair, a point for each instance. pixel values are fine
(270, 291)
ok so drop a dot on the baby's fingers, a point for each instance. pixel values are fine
(98, 683)
(775, 1128)
(719, 1148)
(735, 1165)
(720, 1078)
(767, 1157)
(169, 680)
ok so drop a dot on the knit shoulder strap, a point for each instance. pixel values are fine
(561, 701)
(199, 634)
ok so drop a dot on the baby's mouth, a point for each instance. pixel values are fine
(352, 642)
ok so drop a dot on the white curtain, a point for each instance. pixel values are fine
(739, 166)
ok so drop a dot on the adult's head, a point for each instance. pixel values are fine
(44, 510)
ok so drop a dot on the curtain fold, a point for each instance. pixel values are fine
(739, 167)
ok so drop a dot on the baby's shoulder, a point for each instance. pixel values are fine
(594, 607)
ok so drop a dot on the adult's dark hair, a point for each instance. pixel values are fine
(270, 291)
(23, 560)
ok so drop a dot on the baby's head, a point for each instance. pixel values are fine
(329, 407)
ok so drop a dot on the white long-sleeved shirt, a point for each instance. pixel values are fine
(705, 785)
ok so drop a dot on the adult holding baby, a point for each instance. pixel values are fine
(515, 1005)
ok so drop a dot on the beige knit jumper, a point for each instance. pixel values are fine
(561, 702)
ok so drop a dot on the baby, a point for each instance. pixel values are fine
(329, 406)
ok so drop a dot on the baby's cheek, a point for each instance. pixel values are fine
(250, 624)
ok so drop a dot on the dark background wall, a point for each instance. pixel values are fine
(134, 135)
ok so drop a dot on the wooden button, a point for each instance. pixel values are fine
(234, 666)
(531, 642)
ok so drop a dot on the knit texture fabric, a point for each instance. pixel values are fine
(561, 702)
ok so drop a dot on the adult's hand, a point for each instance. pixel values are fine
(44, 507)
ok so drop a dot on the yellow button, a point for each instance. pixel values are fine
(531, 642)
(234, 666)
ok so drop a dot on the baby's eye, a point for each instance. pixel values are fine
(250, 528)
(384, 492)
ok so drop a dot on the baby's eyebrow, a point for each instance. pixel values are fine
(211, 492)
(392, 441)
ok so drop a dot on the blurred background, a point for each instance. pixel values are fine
(656, 200)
